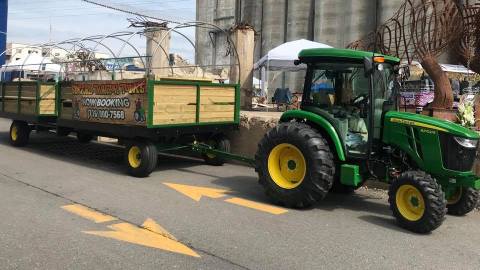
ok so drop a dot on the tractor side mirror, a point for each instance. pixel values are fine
(367, 66)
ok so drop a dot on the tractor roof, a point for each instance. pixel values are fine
(342, 54)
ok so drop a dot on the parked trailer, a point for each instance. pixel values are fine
(146, 116)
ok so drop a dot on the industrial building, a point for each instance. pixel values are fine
(333, 22)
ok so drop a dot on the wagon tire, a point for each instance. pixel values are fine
(221, 143)
(19, 133)
(140, 158)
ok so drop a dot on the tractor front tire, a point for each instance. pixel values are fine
(463, 202)
(140, 158)
(417, 202)
(295, 165)
(221, 143)
(19, 133)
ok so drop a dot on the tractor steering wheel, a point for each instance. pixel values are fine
(361, 103)
(360, 100)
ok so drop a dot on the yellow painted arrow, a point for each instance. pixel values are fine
(151, 235)
(196, 193)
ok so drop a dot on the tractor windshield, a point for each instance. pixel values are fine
(340, 92)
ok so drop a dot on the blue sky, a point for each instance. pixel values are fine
(29, 21)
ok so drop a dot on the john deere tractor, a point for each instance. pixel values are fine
(350, 129)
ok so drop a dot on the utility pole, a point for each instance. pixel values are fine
(3, 29)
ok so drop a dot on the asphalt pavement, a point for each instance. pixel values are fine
(66, 205)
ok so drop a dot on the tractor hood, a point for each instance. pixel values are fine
(428, 122)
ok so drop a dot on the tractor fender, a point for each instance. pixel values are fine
(320, 123)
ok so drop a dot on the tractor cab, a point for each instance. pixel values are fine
(338, 87)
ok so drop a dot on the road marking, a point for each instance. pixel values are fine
(132, 234)
(150, 234)
(88, 213)
(257, 206)
(196, 193)
(151, 225)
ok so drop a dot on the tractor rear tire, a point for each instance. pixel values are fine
(295, 165)
(466, 201)
(140, 158)
(221, 143)
(417, 202)
(19, 133)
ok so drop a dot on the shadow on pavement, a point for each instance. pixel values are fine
(110, 158)
(101, 156)
(388, 223)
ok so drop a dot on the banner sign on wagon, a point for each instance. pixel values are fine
(118, 102)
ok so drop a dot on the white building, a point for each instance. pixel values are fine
(17, 51)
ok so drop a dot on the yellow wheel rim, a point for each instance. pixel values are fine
(455, 198)
(14, 133)
(287, 166)
(134, 157)
(410, 202)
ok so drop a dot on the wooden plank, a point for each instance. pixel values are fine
(217, 91)
(11, 90)
(174, 108)
(174, 104)
(29, 90)
(192, 99)
(46, 109)
(10, 105)
(47, 106)
(218, 120)
(181, 118)
(217, 100)
(28, 98)
(207, 115)
(47, 90)
(28, 107)
(174, 90)
(217, 108)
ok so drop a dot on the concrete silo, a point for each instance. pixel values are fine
(273, 24)
(338, 23)
(387, 8)
(203, 55)
(360, 19)
(252, 13)
(299, 26)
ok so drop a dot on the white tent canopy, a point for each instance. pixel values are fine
(33, 63)
(283, 56)
(456, 69)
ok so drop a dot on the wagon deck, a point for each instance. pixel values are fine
(113, 106)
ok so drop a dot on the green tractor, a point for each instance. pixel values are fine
(349, 129)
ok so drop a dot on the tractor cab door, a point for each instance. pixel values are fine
(340, 92)
(383, 97)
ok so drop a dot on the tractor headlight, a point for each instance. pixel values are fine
(467, 143)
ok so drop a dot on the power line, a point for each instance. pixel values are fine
(130, 12)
